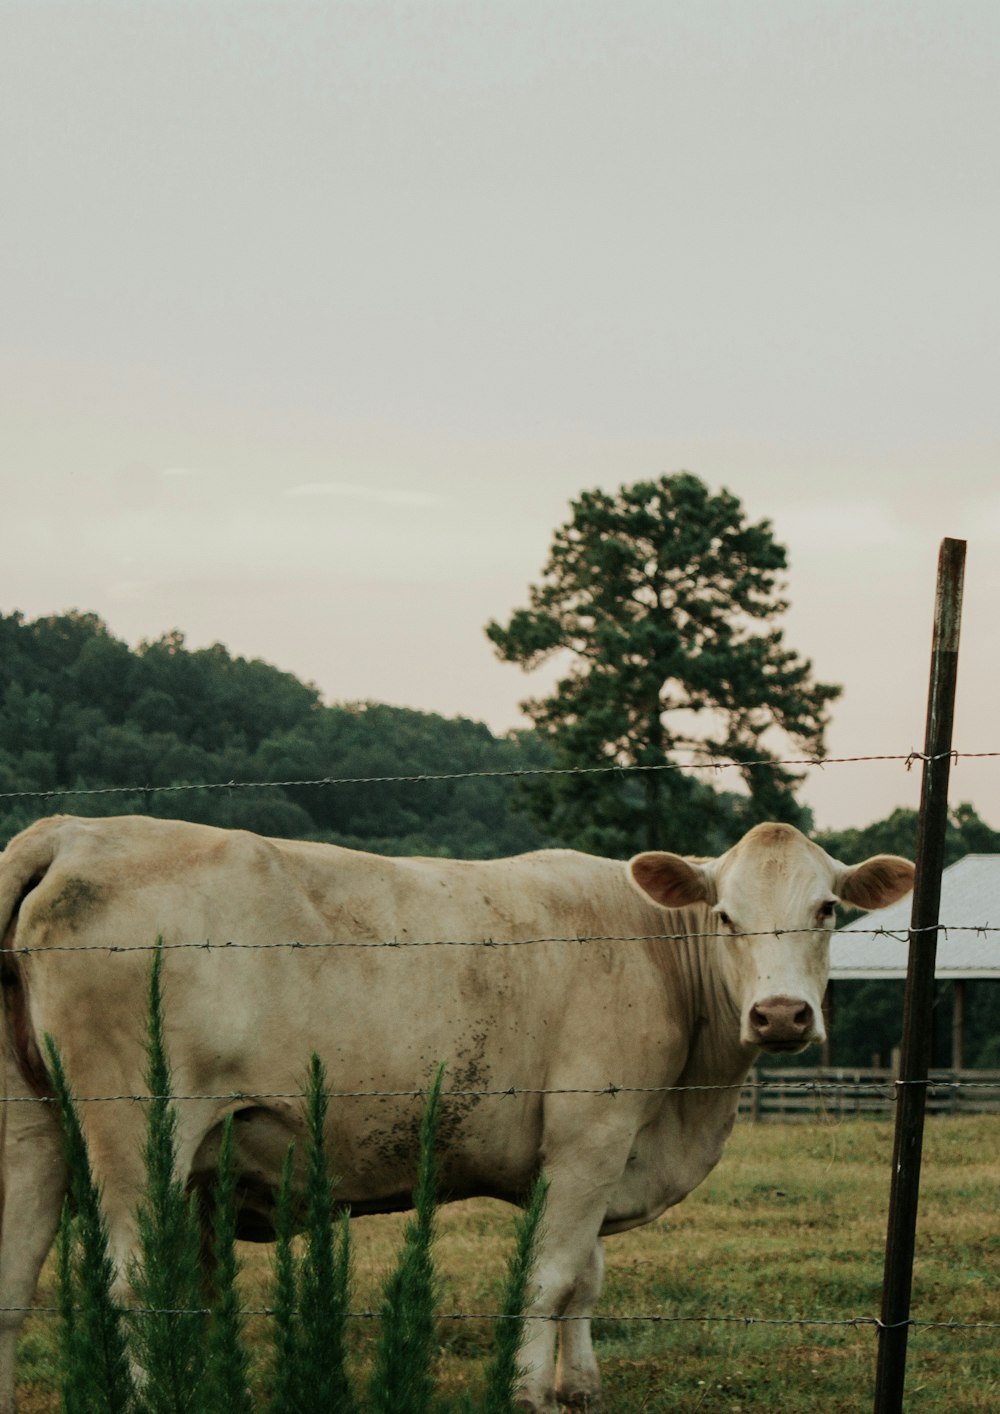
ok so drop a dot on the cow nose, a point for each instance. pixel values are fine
(781, 1019)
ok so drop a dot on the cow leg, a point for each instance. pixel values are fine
(115, 1133)
(567, 1275)
(578, 1383)
(34, 1185)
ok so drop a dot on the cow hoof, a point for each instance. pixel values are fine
(547, 1404)
(587, 1403)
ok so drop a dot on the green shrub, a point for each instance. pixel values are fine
(228, 1362)
(401, 1381)
(96, 1377)
(312, 1295)
(168, 1335)
(503, 1371)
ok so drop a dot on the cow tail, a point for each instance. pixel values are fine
(23, 864)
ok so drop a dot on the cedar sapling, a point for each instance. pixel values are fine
(324, 1278)
(402, 1381)
(287, 1394)
(166, 1278)
(503, 1371)
(228, 1363)
(96, 1365)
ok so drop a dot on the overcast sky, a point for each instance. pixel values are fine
(316, 316)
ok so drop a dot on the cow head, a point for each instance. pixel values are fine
(772, 898)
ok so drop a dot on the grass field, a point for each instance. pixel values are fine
(789, 1227)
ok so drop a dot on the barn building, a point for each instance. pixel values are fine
(875, 947)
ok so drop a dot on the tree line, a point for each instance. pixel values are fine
(81, 711)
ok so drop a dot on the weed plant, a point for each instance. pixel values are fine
(312, 1293)
(402, 1381)
(286, 1391)
(504, 1371)
(228, 1360)
(94, 1364)
(166, 1279)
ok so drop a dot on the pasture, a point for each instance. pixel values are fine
(789, 1227)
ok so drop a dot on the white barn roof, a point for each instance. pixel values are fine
(970, 901)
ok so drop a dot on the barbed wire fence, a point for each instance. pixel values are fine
(816, 1087)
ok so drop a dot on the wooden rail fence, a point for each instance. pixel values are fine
(807, 1093)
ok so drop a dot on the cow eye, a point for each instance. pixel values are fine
(723, 917)
(826, 909)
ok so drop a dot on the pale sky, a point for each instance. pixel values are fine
(315, 316)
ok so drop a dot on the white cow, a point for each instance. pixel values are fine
(660, 973)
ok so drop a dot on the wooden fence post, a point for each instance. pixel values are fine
(911, 1088)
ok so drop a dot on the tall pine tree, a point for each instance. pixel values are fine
(664, 597)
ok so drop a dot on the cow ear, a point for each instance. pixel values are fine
(670, 880)
(877, 882)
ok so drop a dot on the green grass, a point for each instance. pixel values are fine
(790, 1226)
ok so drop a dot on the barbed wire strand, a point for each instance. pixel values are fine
(898, 935)
(653, 1318)
(909, 759)
(811, 1087)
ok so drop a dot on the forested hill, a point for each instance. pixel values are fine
(81, 711)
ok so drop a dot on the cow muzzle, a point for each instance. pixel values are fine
(783, 1024)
